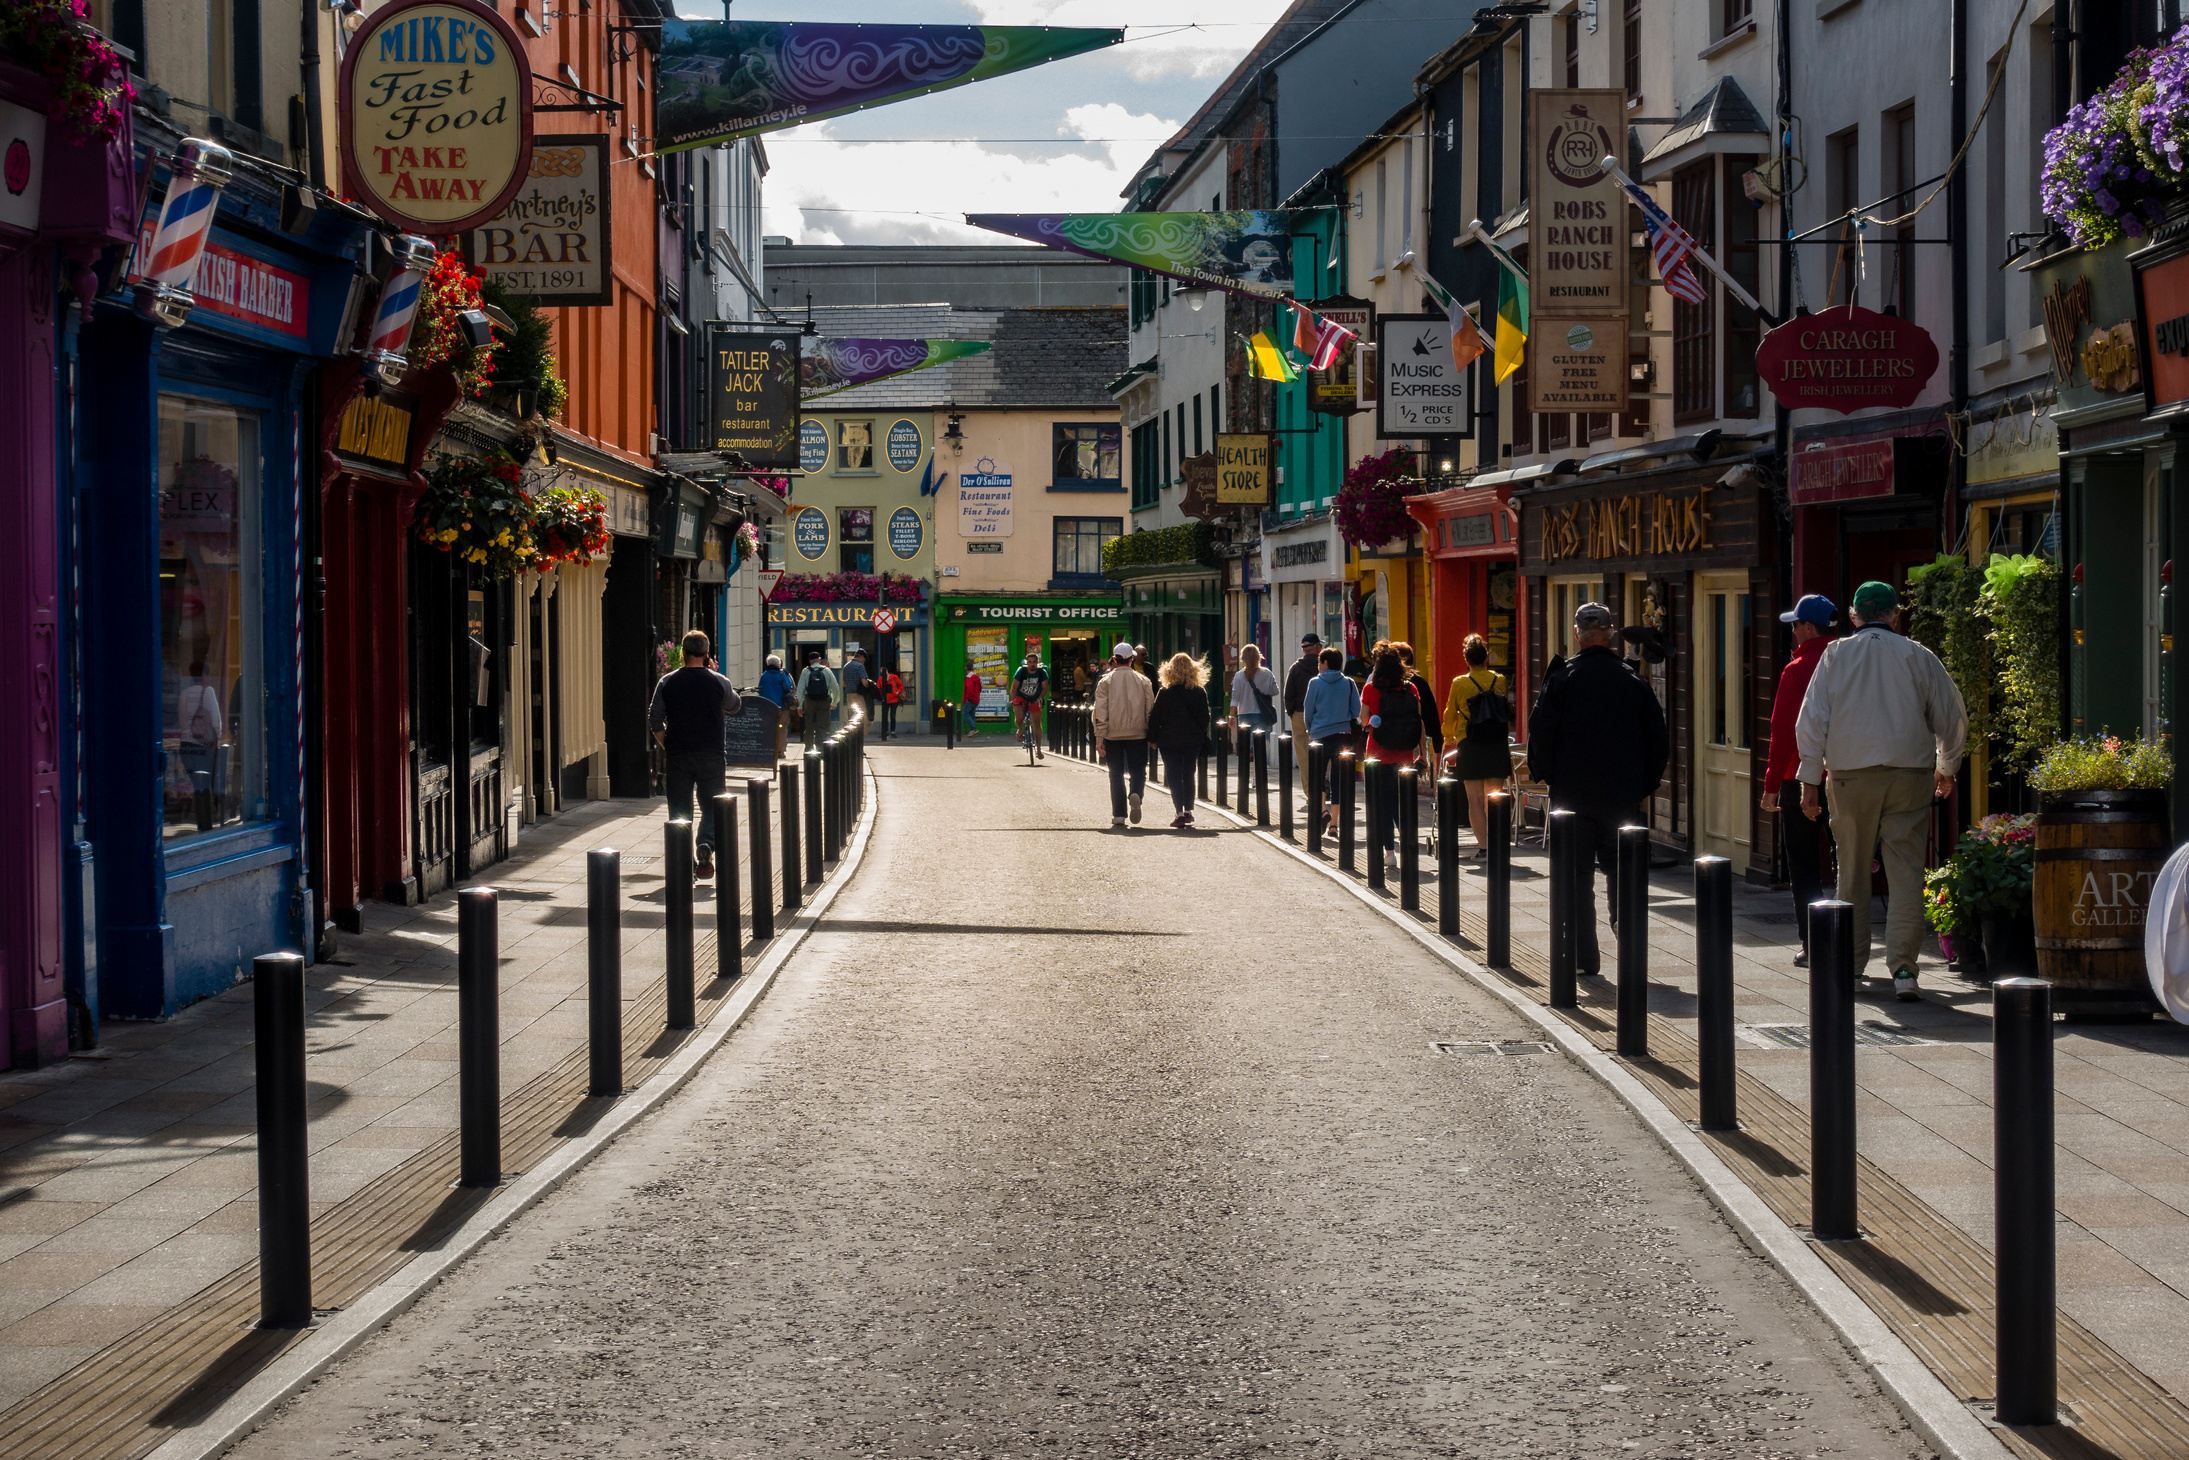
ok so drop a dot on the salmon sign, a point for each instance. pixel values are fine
(1845, 358)
(436, 112)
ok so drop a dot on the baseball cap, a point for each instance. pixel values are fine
(1814, 608)
(1593, 616)
(1875, 597)
(1311, 638)
(1122, 651)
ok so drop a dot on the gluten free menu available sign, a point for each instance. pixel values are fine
(552, 243)
(753, 396)
(1580, 365)
(436, 113)
(984, 500)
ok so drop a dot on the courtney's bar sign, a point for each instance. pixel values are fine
(436, 112)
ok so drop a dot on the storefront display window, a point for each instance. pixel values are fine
(211, 652)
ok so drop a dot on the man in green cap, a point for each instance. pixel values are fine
(1883, 717)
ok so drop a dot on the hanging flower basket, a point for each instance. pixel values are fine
(1372, 501)
(438, 338)
(90, 84)
(847, 588)
(2119, 158)
(476, 508)
(571, 526)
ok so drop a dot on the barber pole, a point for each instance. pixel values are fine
(198, 172)
(385, 361)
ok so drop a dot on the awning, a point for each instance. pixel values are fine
(1130, 378)
(1723, 120)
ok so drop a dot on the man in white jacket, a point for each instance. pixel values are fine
(1884, 718)
(1121, 704)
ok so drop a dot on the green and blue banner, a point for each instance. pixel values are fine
(1246, 252)
(830, 365)
(721, 80)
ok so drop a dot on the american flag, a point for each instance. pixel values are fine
(1671, 245)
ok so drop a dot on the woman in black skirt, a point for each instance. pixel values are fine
(1480, 739)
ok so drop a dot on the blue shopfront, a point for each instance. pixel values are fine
(191, 480)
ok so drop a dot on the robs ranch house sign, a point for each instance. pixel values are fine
(436, 103)
(1845, 358)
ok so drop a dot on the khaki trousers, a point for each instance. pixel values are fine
(1888, 807)
(1299, 741)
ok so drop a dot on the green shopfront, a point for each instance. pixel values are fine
(991, 633)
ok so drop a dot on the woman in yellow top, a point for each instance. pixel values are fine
(1479, 755)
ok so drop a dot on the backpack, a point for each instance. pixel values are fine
(814, 685)
(1398, 716)
(1489, 717)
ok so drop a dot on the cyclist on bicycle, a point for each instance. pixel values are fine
(1028, 686)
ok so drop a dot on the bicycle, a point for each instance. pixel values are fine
(1029, 731)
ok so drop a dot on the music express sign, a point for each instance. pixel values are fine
(436, 112)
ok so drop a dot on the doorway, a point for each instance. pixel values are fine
(1724, 813)
(1075, 657)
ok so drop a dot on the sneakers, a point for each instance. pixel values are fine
(703, 870)
(1181, 821)
(1801, 959)
(1135, 804)
(1117, 821)
(1904, 985)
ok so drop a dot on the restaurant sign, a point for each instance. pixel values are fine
(1845, 359)
(753, 395)
(1637, 525)
(1336, 391)
(436, 114)
(552, 243)
(1578, 256)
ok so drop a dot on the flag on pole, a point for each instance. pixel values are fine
(1512, 324)
(1317, 338)
(1468, 344)
(1265, 361)
(1671, 245)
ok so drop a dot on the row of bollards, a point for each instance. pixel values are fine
(278, 994)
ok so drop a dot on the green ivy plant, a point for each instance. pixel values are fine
(2021, 598)
(528, 356)
(1946, 616)
(1188, 542)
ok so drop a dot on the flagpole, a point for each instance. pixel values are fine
(1611, 167)
(1475, 233)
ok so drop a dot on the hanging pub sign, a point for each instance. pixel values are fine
(552, 243)
(435, 103)
(1242, 470)
(1578, 237)
(753, 395)
(1336, 391)
(1422, 390)
(1847, 358)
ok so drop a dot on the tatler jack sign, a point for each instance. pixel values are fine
(436, 111)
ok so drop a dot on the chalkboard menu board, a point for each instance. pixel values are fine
(748, 737)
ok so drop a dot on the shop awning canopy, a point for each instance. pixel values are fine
(1699, 446)
(1541, 472)
(1130, 378)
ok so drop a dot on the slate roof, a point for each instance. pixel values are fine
(1724, 108)
(1062, 357)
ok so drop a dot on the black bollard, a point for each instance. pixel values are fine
(1497, 917)
(1242, 737)
(729, 926)
(2027, 1272)
(1564, 829)
(1222, 735)
(681, 1011)
(1378, 778)
(763, 870)
(1832, 1070)
(1202, 770)
(284, 1153)
(1348, 773)
(1284, 786)
(1714, 992)
(604, 972)
(813, 815)
(479, 1035)
(832, 799)
(1449, 794)
(1409, 781)
(793, 858)
(1261, 778)
(1633, 895)
(1316, 781)
(949, 726)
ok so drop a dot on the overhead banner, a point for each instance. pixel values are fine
(1420, 391)
(435, 106)
(833, 365)
(552, 243)
(1577, 218)
(753, 395)
(721, 80)
(1246, 252)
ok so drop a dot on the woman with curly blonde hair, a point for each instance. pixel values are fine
(1178, 727)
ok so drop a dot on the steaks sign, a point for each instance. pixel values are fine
(1847, 358)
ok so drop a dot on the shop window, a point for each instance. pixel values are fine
(1086, 456)
(1079, 544)
(1565, 596)
(1598, 427)
(1742, 393)
(1631, 43)
(1147, 466)
(855, 539)
(855, 446)
(211, 662)
(1900, 176)
(1694, 356)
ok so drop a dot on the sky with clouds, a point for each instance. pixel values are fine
(1065, 137)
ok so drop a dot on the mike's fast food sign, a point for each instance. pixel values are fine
(436, 108)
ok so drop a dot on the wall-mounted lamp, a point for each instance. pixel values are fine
(478, 329)
(1641, 372)
(385, 361)
(196, 175)
(953, 433)
(1195, 298)
(1445, 465)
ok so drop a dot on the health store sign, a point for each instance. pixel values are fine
(436, 112)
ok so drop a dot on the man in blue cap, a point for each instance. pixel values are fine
(1802, 837)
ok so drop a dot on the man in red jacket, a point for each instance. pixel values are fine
(1802, 838)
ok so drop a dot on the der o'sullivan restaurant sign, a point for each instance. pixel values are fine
(436, 110)
(1846, 358)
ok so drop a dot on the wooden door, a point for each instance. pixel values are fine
(1725, 803)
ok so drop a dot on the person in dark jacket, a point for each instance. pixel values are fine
(686, 718)
(1431, 723)
(1178, 727)
(1598, 738)
(1303, 669)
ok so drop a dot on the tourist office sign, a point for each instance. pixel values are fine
(435, 105)
(552, 243)
(1847, 358)
(752, 395)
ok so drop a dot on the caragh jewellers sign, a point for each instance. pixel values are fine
(436, 115)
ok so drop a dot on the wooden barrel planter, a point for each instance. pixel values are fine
(2098, 853)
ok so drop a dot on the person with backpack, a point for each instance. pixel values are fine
(1332, 706)
(892, 696)
(1431, 724)
(818, 695)
(1254, 692)
(1392, 712)
(1178, 728)
(775, 687)
(1478, 722)
(1029, 683)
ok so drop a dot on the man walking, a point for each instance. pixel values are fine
(1598, 738)
(686, 718)
(1303, 669)
(1883, 717)
(858, 684)
(775, 688)
(1802, 837)
(818, 694)
(1121, 704)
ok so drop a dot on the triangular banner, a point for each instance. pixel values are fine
(1244, 252)
(830, 365)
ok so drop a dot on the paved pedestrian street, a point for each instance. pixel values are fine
(1059, 1140)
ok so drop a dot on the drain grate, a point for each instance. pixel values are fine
(1483, 1046)
(1796, 1036)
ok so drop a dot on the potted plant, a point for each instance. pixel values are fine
(2102, 834)
(1984, 888)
